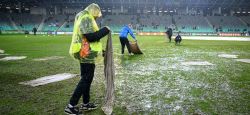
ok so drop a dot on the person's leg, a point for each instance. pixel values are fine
(128, 45)
(169, 37)
(71, 107)
(80, 86)
(122, 44)
(88, 74)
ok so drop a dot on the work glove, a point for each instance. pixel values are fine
(108, 28)
(103, 53)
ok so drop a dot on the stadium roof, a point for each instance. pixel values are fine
(133, 3)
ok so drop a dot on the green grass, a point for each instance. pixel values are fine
(152, 83)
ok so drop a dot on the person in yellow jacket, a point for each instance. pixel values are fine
(85, 29)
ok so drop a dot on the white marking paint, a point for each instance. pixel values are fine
(4, 54)
(228, 56)
(13, 58)
(48, 58)
(1, 51)
(196, 63)
(243, 60)
(48, 79)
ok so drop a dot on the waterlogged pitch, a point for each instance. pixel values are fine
(197, 77)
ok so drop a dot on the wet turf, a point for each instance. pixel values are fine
(153, 83)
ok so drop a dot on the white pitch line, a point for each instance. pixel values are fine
(228, 56)
(4, 54)
(8, 58)
(243, 60)
(48, 79)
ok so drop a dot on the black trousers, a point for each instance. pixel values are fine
(83, 87)
(169, 37)
(124, 41)
(178, 41)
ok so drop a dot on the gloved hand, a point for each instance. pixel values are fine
(108, 28)
(103, 53)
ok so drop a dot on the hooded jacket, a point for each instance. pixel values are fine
(85, 27)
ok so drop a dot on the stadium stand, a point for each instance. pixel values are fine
(188, 16)
(26, 22)
(67, 26)
(117, 21)
(53, 23)
(5, 23)
(192, 24)
(145, 23)
(154, 23)
(246, 20)
(227, 23)
(141, 23)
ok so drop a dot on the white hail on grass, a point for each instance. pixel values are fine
(228, 56)
(243, 60)
(1, 51)
(9, 58)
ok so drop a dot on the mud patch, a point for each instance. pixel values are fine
(48, 58)
(13, 58)
(243, 60)
(228, 56)
(48, 79)
(199, 63)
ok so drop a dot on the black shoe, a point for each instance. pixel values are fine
(89, 106)
(72, 111)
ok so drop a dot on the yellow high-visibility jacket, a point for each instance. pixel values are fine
(84, 24)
